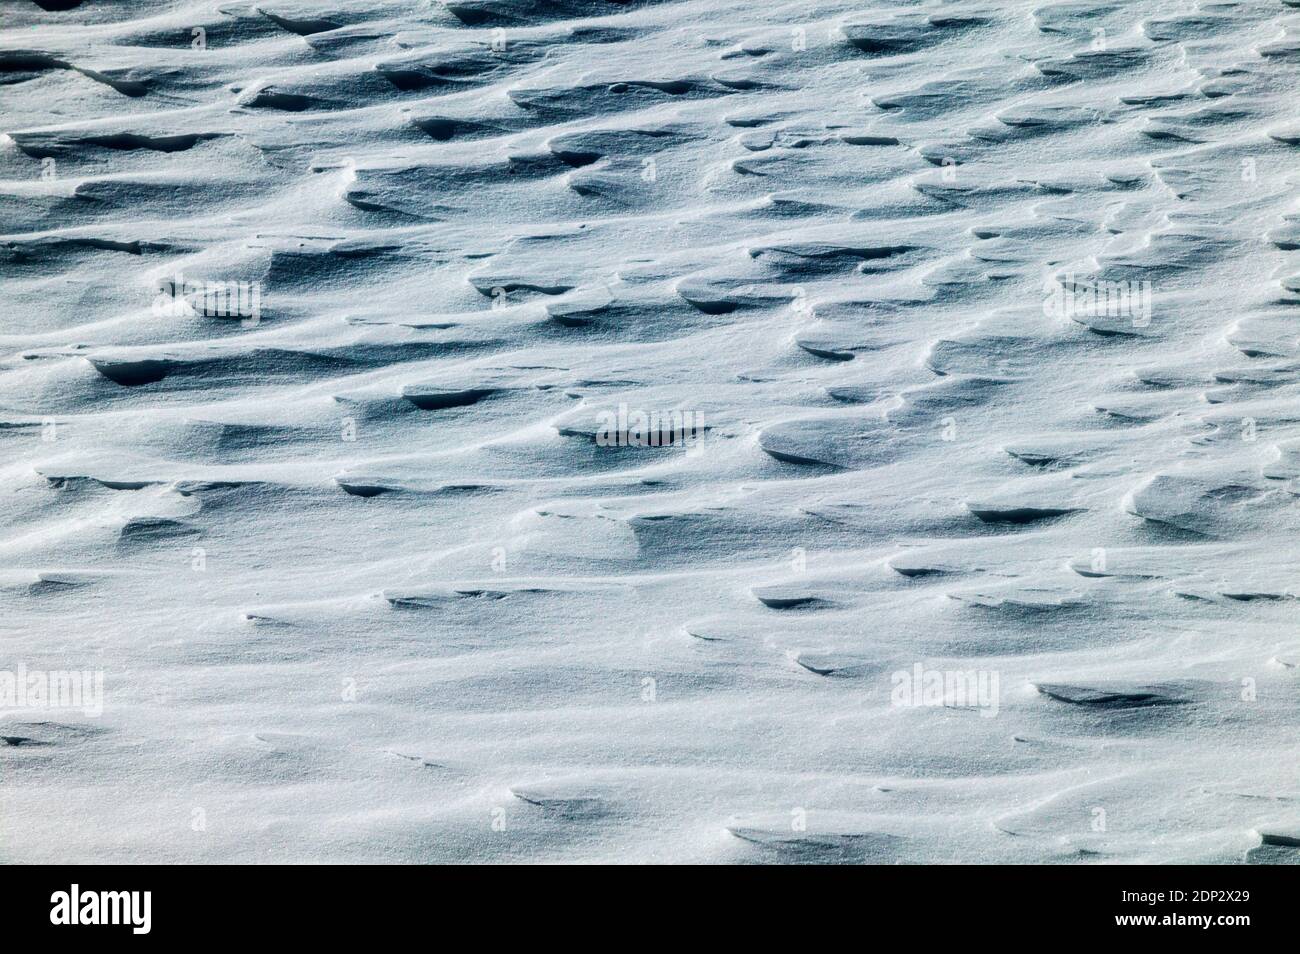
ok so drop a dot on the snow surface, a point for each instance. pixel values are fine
(364, 581)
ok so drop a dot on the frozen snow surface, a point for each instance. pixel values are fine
(986, 549)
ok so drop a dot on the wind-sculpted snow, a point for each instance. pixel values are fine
(678, 431)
